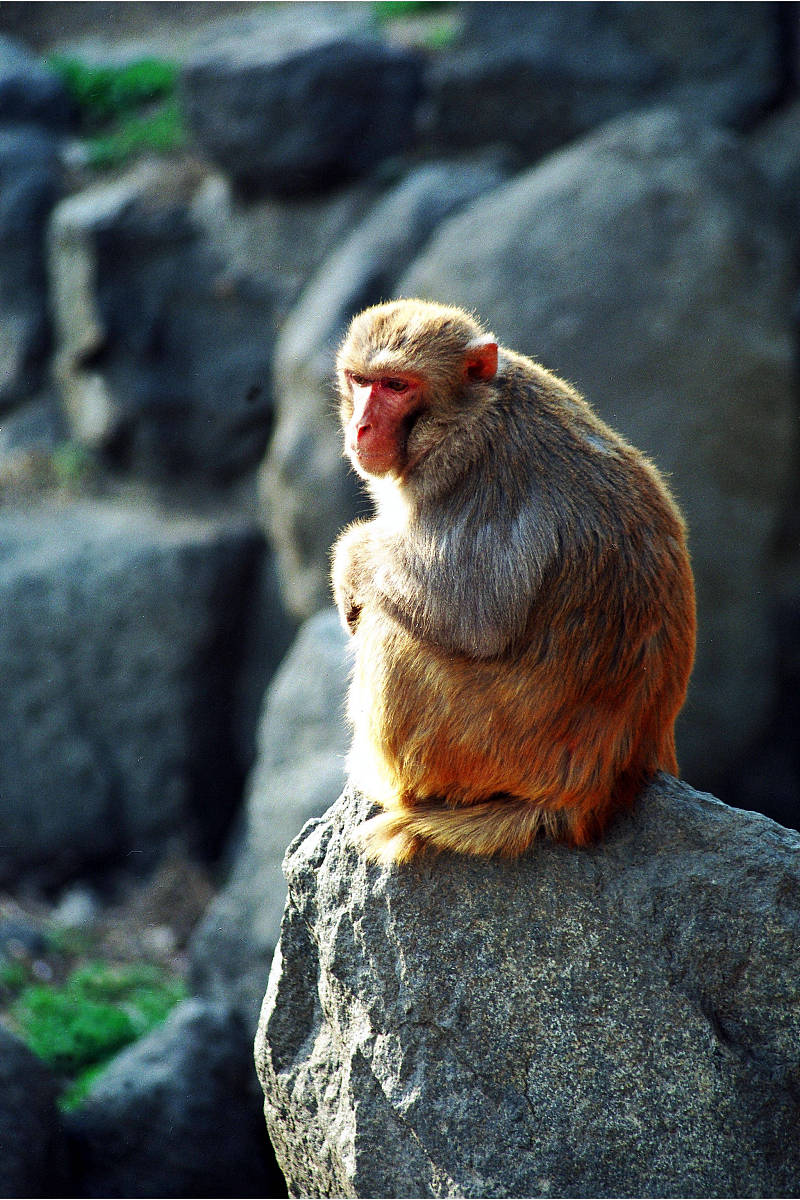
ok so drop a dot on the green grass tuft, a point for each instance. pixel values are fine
(102, 92)
(160, 132)
(390, 10)
(78, 1026)
(124, 110)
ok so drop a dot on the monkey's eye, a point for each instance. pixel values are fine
(358, 380)
(396, 385)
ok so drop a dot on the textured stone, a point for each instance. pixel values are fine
(163, 353)
(536, 76)
(290, 118)
(299, 773)
(622, 1020)
(176, 1114)
(33, 1147)
(29, 92)
(122, 649)
(30, 182)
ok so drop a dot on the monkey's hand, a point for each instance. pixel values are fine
(349, 573)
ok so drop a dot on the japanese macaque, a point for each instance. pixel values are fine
(522, 603)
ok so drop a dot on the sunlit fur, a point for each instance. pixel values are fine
(522, 604)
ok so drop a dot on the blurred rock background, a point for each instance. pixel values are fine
(194, 199)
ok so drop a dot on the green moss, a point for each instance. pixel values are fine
(66, 1032)
(13, 977)
(160, 132)
(73, 465)
(95, 1013)
(390, 10)
(76, 1092)
(102, 92)
(437, 23)
(124, 110)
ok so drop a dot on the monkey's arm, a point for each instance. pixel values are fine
(469, 586)
(349, 572)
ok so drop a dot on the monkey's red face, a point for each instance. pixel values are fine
(384, 412)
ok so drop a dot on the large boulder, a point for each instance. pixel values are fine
(30, 93)
(30, 183)
(33, 1146)
(299, 773)
(643, 265)
(123, 648)
(284, 240)
(163, 354)
(775, 144)
(295, 113)
(536, 76)
(177, 1114)
(622, 1020)
(305, 456)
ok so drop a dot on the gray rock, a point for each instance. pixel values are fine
(29, 92)
(30, 182)
(163, 355)
(617, 1021)
(305, 457)
(33, 1148)
(536, 76)
(37, 425)
(775, 144)
(287, 119)
(643, 265)
(299, 773)
(283, 240)
(121, 656)
(176, 1114)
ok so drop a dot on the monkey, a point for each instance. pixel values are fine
(521, 603)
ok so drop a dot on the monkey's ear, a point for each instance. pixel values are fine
(480, 360)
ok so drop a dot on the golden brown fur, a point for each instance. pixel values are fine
(522, 602)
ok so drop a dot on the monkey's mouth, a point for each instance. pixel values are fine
(376, 453)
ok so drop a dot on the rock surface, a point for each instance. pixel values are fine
(163, 354)
(33, 1147)
(617, 1021)
(176, 1114)
(292, 116)
(30, 183)
(300, 772)
(31, 94)
(121, 654)
(536, 76)
(643, 265)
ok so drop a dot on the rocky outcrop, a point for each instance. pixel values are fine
(642, 265)
(176, 1114)
(291, 115)
(122, 656)
(622, 1020)
(300, 772)
(30, 184)
(163, 357)
(33, 1146)
(536, 76)
(30, 94)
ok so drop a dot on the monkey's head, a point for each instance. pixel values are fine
(406, 371)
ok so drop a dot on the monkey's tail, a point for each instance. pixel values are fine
(504, 827)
